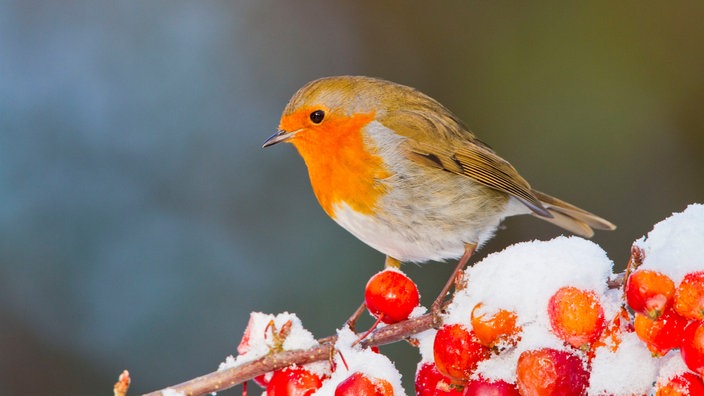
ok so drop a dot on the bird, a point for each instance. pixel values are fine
(403, 174)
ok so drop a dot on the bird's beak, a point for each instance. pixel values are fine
(279, 136)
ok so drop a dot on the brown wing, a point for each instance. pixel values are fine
(426, 122)
(483, 166)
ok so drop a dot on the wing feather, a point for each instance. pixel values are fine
(481, 165)
(437, 138)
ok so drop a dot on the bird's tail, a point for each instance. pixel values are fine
(572, 218)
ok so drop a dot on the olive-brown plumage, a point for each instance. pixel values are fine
(403, 174)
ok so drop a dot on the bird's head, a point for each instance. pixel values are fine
(327, 104)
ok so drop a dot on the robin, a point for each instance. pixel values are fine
(402, 173)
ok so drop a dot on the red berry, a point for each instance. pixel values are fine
(391, 295)
(457, 352)
(576, 316)
(482, 387)
(495, 328)
(692, 349)
(431, 382)
(685, 384)
(689, 296)
(359, 384)
(293, 381)
(547, 372)
(649, 292)
(244, 346)
(261, 381)
(662, 334)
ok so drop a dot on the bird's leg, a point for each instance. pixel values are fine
(454, 278)
(390, 262)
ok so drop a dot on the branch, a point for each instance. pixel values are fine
(225, 379)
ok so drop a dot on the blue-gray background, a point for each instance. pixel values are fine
(140, 222)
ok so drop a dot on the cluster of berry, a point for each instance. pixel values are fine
(354, 370)
(669, 317)
(576, 317)
(538, 318)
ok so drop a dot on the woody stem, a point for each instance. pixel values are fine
(469, 249)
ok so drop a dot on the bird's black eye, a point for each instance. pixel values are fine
(317, 116)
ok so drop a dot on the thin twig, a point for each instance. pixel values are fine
(122, 384)
(225, 379)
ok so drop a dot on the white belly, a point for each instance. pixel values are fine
(414, 238)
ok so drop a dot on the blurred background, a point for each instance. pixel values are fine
(141, 222)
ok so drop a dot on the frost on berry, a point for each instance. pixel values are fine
(494, 329)
(576, 316)
(547, 371)
(689, 296)
(457, 352)
(685, 384)
(430, 382)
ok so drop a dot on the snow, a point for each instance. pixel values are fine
(672, 245)
(672, 366)
(425, 345)
(628, 370)
(171, 392)
(259, 338)
(524, 276)
(521, 279)
(418, 312)
(351, 358)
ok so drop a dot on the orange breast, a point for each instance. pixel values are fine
(341, 166)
